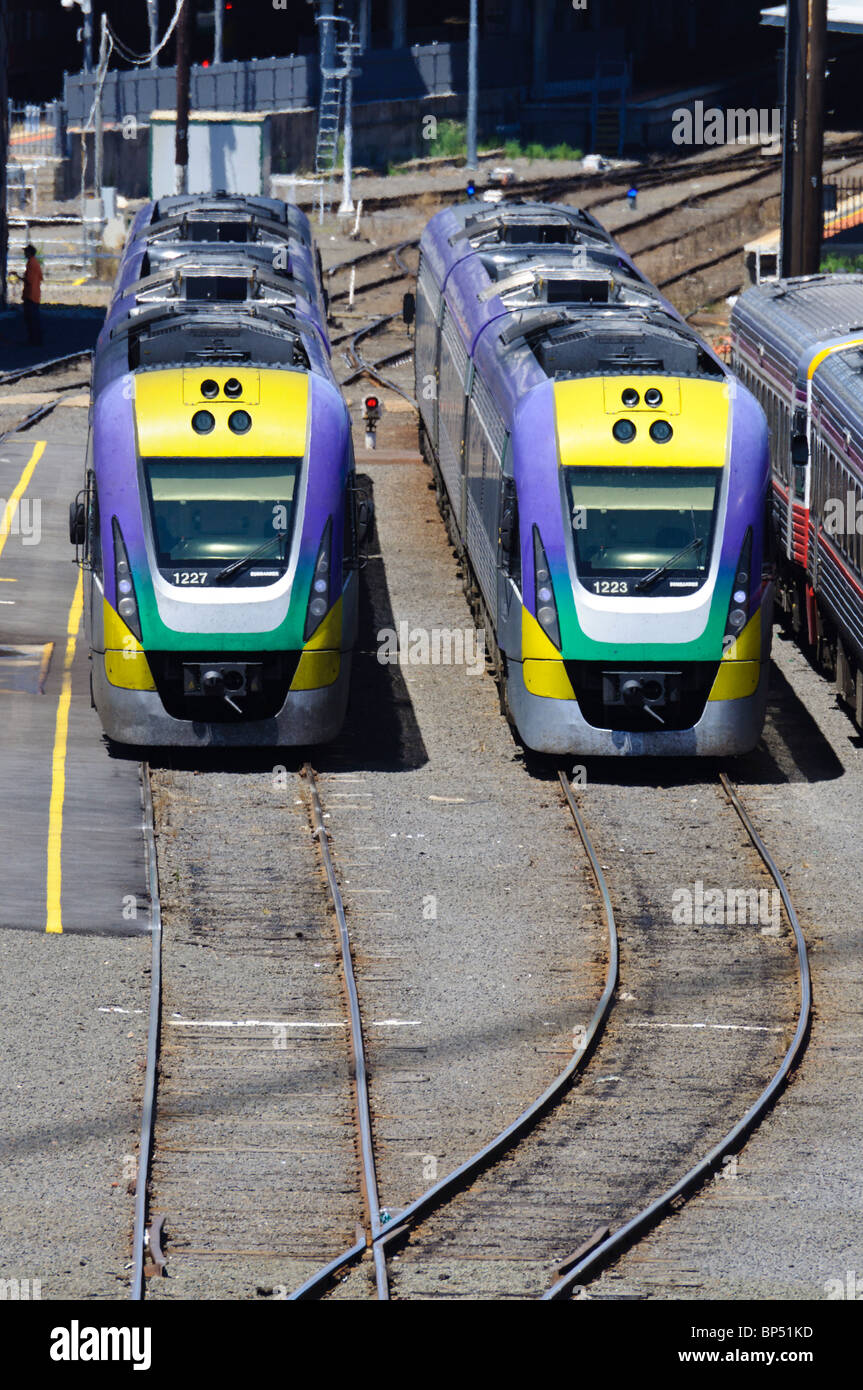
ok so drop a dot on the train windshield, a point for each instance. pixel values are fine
(643, 531)
(208, 513)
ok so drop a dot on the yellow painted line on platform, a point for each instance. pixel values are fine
(12, 505)
(54, 921)
(8, 581)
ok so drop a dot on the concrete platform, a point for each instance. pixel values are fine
(70, 815)
(75, 968)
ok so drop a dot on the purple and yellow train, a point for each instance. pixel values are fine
(605, 480)
(218, 520)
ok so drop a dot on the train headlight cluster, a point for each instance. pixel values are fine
(319, 598)
(127, 604)
(738, 609)
(544, 605)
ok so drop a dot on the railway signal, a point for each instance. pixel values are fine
(371, 415)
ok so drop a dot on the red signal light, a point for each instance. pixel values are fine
(371, 402)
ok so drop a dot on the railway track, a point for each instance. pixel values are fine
(270, 1251)
(574, 1181)
(58, 365)
(255, 1145)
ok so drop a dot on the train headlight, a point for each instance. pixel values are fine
(623, 431)
(319, 597)
(240, 421)
(203, 421)
(660, 431)
(127, 603)
(544, 605)
(738, 608)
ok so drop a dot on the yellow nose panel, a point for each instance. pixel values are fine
(167, 399)
(696, 410)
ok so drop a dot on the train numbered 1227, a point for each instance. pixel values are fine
(218, 518)
(605, 480)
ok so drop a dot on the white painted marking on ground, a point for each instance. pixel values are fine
(115, 1009)
(723, 1027)
(255, 1023)
(395, 1022)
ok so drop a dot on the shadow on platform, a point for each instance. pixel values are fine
(65, 329)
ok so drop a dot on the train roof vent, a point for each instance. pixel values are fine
(578, 350)
(215, 229)
(575, 287)
(192, 337)
(538, 232)
(216, 287)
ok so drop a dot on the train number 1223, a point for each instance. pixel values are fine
(610, 586)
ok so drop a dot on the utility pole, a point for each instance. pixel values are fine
(153, 23)
(347, 51)
(803, 136)
(813, 144)
(181, 145)
(87, 11)
(472, 37)
(218, 14)
(98, 137)
(86, 8)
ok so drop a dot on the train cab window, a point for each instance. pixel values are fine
(643, 531)
(209, 515)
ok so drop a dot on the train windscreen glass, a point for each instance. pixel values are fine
(642, 531)
(222, 520)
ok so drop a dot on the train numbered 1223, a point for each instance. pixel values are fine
(605, 481)
(218, 523)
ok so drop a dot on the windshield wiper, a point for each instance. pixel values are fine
(695, 544)
(236, 565)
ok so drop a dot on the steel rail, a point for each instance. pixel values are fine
(364, 1118)
(465, 1173)
(145, 1143)
(8, 377)
(626, 1235)
(546, 185)
(370, 368)
(41, 411)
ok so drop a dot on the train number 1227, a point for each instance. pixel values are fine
(190, 576)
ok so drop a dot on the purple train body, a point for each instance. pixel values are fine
(605, 481)
(218, 518)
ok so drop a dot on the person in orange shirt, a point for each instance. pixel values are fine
(32, 296)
